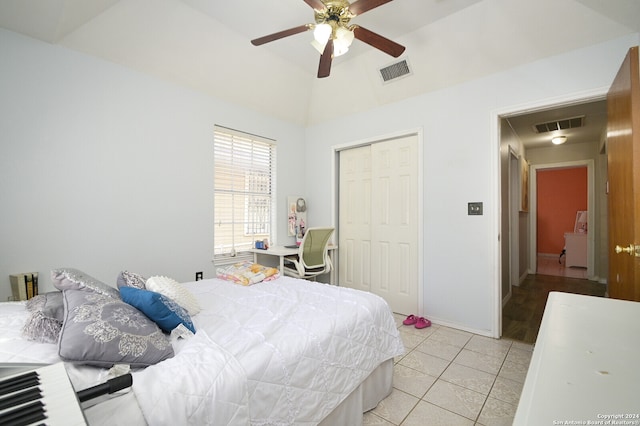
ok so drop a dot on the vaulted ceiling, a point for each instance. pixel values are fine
(205, 44)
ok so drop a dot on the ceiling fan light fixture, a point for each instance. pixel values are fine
(558, 140)
(342, 41)
(339, 49)
(321, 33)
(344, 35)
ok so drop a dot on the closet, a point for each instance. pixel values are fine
(378, 221)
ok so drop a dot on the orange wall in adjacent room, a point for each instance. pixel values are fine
(560, 194)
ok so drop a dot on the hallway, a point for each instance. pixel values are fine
(522, 314)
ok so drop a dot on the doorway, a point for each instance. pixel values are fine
(561, 249)
(511, 143)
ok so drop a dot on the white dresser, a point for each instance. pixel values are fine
(584, 366)
(575, 245)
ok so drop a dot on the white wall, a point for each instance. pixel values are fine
(461, 164)
(104, 169)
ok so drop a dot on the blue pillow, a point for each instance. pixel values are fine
(159, 308)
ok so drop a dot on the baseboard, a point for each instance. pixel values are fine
(486, 333)
(524, 276)
(548, 254)
(599, 280)
(506, 299)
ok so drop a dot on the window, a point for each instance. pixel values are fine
(244, 191)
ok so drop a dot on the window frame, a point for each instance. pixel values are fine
(245, 177)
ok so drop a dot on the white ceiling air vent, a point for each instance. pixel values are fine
(551, 126)
(395, 71)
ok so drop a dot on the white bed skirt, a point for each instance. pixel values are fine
(365, 397)
(124, 410)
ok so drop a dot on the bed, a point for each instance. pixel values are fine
(278, 352)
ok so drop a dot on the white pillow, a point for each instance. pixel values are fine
(175, 291)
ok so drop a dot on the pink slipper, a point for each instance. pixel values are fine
(422, 323)
(411, 319)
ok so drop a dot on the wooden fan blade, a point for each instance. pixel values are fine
(376, 40)
(361, 6)
(315, 4)
(279, 35)
(325, 60)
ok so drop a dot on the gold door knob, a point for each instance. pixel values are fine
(629, 250)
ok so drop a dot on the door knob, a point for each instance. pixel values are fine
(631, 250)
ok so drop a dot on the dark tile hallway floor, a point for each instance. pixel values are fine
(522, 314)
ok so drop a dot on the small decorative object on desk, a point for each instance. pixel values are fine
(581, 222)
(262, 245)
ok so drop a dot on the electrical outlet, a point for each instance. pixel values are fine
(474, 209)
(198, 276)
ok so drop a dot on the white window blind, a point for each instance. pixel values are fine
(244, 187)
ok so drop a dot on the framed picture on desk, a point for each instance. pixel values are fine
(296, 216)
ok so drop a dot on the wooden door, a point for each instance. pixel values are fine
(394, 223)
(355, 219)
(623, 153)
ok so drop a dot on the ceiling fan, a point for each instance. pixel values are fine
(333, 34)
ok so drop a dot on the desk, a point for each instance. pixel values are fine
(281, 252)
(585, 363)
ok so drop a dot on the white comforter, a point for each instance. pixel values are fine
(13, 347)
(292, 352)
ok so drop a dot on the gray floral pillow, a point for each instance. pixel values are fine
(102, 330)
(69, 278)
(45, 319)
(131, 279)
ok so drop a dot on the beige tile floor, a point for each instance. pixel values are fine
(451, 377)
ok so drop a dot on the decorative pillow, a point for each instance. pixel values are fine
(69, 278)
(131, 279)
(174, 290)
(159, 308)
(103, 331)
(247, 273)
(50, 303)
(45, 322)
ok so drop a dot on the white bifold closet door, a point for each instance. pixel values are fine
(378, 221)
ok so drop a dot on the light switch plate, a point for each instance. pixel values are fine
(475, 209)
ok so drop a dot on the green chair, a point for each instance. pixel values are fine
(313, 255)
